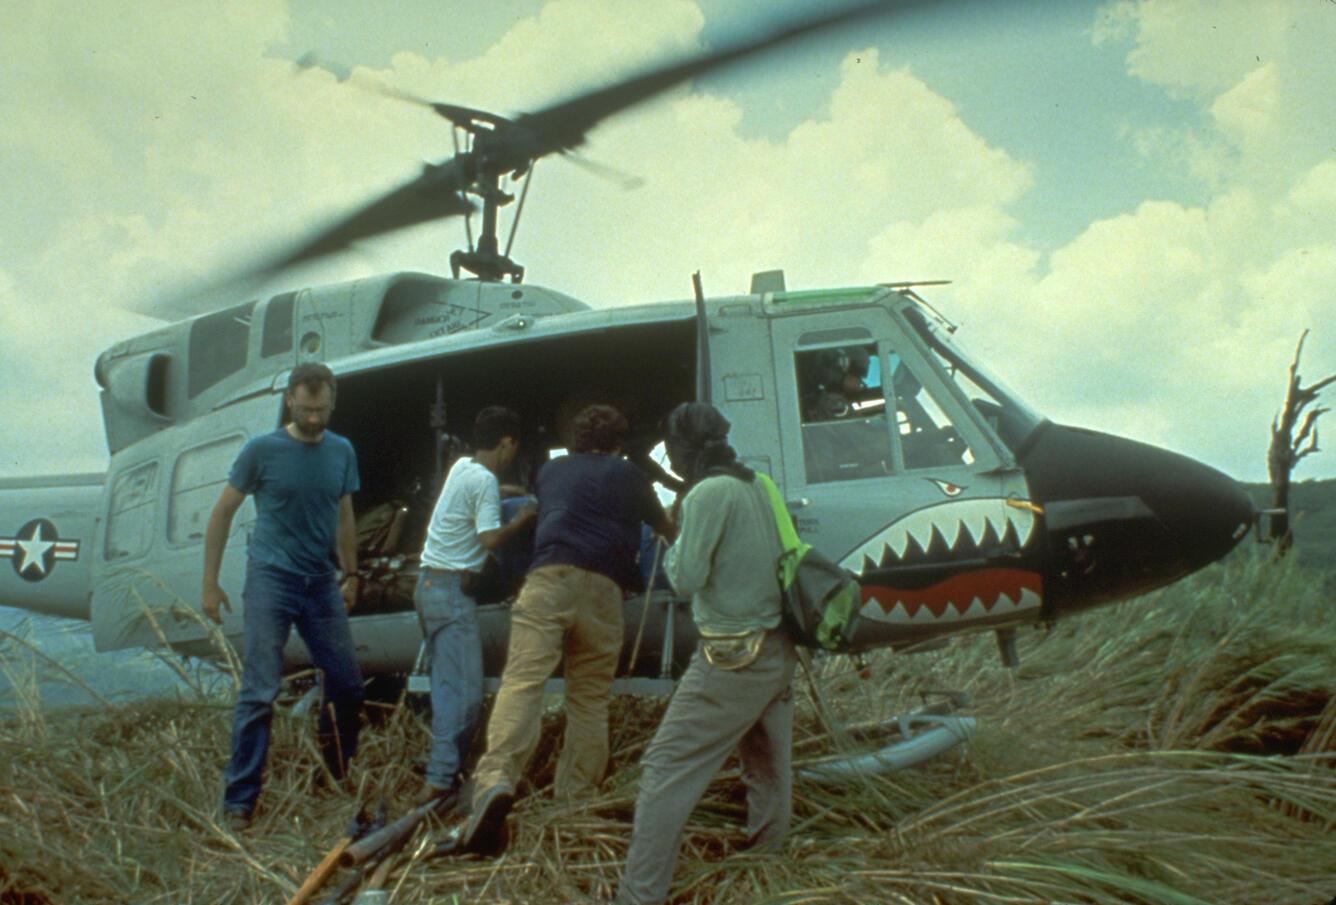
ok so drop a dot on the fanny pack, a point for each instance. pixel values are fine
(732, 651)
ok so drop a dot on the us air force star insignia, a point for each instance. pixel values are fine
(35, 549)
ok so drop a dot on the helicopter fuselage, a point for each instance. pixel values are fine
(959, 508)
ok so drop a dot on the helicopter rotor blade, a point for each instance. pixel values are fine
(504, 145)
(563, 126)
(624, 181)
(512, 145)
(433, 195)
(463, 117)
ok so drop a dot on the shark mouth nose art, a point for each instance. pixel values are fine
(949, 530)
(974, 595)
(953, 527)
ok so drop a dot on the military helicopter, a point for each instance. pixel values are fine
(959, 507)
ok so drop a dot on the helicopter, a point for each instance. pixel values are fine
(958, 506)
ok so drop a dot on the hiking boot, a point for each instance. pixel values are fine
(236, 819)
(486, 832)
(430, 793)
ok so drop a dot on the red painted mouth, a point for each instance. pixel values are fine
(958, 592)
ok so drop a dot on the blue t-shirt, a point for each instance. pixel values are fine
(297, 488)
(590, 508)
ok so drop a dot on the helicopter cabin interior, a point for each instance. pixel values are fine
(409, 420)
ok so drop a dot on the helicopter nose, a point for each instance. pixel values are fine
(1124, 517)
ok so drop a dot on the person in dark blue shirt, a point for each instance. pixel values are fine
(302, 477)
(591, 504)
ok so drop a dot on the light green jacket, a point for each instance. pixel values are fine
(725, 556)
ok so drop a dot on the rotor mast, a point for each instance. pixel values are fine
(484, 259)
(497, 147)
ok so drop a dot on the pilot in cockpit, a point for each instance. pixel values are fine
(833, 380)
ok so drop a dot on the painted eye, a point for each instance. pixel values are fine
(947, 488)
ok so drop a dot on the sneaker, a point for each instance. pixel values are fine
(236, 819)
(486, 832)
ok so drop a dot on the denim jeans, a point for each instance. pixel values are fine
(275, 601)
(449, 620)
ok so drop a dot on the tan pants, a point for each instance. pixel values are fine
(560, 610)
(712, 712)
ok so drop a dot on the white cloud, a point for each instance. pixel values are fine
(52, 419)
(1197, 48)
(1234, 281)
(160, 141)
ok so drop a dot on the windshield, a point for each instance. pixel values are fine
(1011, 419)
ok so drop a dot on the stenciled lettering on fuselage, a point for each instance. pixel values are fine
(36, 548)
(454, 319)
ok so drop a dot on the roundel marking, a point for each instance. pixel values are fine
(36, 548)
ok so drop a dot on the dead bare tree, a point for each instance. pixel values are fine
(1287, 449)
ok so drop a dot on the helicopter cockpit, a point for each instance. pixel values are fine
(1012, 420)
(845, 407)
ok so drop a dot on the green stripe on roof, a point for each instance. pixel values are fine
(825, 295)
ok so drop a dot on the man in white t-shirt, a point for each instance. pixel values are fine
(464, 527)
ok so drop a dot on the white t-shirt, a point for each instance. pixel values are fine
(470, 503)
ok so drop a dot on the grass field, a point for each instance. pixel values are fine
(1176, 750)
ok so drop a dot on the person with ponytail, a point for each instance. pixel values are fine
(736, 691)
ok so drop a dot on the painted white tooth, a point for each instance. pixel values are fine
(950, 530)
(923, 615)
(898, 541)
(976, 523)
(897, 613)
(997, 517)
(1029, 600)
(976, 610)
(866, 555)
(872, 552)
(859, 559)
(1022, 520)
(920, 528)
(877, 614)
(1004, 604)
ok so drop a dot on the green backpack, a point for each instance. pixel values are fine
(821, 600)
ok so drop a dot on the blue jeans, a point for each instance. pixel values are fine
(276, 600)
(449, 620)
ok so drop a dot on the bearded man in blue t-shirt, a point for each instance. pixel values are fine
(302, 477)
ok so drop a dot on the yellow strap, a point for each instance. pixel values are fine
(794, 548)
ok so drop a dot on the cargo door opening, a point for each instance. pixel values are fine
(408, 422)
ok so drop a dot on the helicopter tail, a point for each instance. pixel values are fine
(46, 538)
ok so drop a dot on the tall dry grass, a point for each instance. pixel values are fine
(1176, 750)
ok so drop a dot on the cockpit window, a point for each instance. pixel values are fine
(846, 434)
(1010, 418)
(927, 438)
(846, 422)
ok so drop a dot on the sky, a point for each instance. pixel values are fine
(1134, 201)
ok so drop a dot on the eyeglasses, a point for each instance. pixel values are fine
(301, 411)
